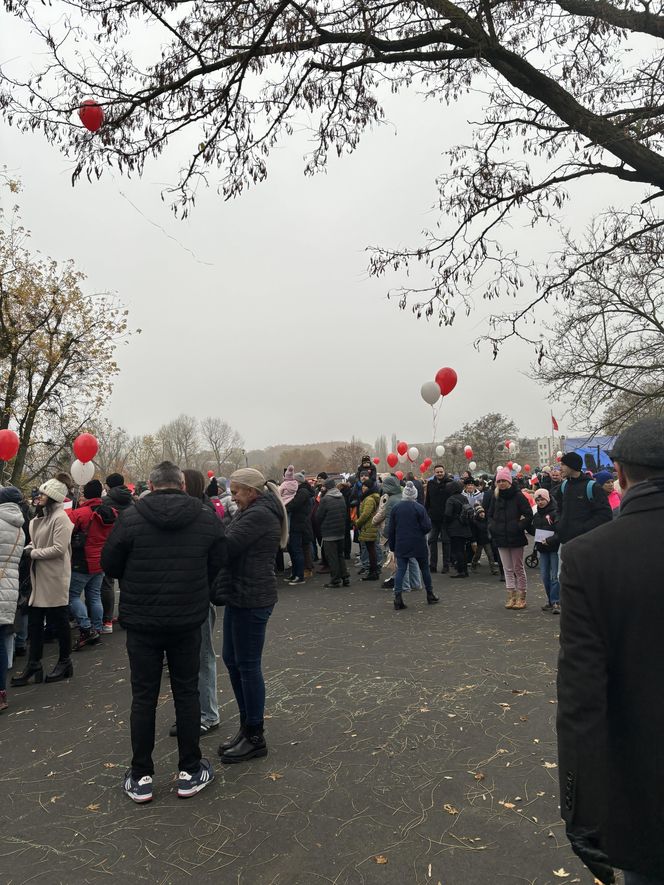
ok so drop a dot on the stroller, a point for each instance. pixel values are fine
(532, 560)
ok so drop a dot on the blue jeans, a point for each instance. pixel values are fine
(548, 566)
(402, 568)
(296, 554)
(21, 638)
(88, 613)
(6, 631)
(638, 879)
(242, 650)
(364, 555)
(413, 576)
(207, 675)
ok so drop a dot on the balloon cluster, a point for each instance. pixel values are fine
(444, 383)
(85, 448)
(403, 455)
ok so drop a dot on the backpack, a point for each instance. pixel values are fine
(466, 515)
(107, 515)
(219, 508)
(589, 488)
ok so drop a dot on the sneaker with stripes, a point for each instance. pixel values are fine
(190, 784)
(138, 789)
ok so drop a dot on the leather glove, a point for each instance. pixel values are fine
(585, 844)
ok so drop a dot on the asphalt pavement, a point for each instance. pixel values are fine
(413, 747)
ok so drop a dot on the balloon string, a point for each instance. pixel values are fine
(435, 411)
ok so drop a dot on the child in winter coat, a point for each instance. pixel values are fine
(482, 539)
(546, 519)
(289, 485)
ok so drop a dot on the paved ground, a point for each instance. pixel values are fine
(412, 747)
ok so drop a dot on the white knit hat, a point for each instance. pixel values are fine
(410, 491)
(56, 491)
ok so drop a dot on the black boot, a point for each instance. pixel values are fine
(431, 597)
(398, 602)
(62, 670)
(372, 576)
(250, 746)
(33, 671)
(234, 741)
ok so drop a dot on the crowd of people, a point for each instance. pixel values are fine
(183, 547)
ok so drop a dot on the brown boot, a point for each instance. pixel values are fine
(520, 600)
(511, 599)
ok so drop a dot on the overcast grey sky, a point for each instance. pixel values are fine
(272, 323)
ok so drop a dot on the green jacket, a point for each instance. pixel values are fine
(368, 531)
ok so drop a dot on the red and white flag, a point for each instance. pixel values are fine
(554, 423)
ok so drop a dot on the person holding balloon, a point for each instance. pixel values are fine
(50, 576)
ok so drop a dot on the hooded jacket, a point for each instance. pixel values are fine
(393, 493)
(546, 519)
(578, 514)
(119, 497)
(610, 677)
(95, 518)
(331, 516)
(435, 499)
(408, 530)
(252, 541)
(368, 506)
(454, 507)
(12, 541)
(509, 515)
(166, 550)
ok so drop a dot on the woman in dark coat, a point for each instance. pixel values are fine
(458, 528)
(510, 515)
(247, 586)
(546, 519)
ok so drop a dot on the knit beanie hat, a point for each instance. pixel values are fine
(330, 484)
(112, 481)
(410, 492)
(543, 493)
(300, 477)
(603, 476)
(504, 473)
(290, 472)
(572, 460)
(92, 489)
(56, 491)
(10, 495)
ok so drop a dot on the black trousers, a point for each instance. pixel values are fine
(438, 533)
(108, 597)
(146, 662)
(58, 620)
(459, 555)
(334, 550)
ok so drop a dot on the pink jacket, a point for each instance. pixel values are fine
(287, 490)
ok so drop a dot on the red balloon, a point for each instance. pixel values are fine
(210, 474)
(446, 379)
(510, 464)
(526, 468)
(399, 475)
(85, 447)
(376, 461)
(392, 459)
(423, 468)
(402, 448)
(9, 444)
(469, 454)
(91, 115)
(428, 462)
(507, 443)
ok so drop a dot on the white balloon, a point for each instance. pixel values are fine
(559, 454)
(430, 392)
(403, 458)
(82, 473)
(440, 451)
(413, 453)
(472, 465)
(512, 447)
(468, 448)
(516, 468)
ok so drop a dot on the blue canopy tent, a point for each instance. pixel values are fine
(594, 450)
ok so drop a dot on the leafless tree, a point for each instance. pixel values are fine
(572, 89)
(179, 440)
(221, 439)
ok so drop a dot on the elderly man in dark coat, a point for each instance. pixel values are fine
(611, 673)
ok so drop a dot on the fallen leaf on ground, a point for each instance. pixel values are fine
(507, 804)
(561, 873)
(523, 718)
(450, 809)
(110, 764)
(551, 765)
(92, 807)
(479, 776)
(379, 858)
(54, 799)
(274, 776)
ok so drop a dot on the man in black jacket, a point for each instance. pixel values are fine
(611, 672)
(331, 519)
(166, 551)
(582, 507)
(436, 494)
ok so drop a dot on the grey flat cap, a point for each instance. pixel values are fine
(642, 443)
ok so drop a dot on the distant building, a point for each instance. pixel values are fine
(547, 446)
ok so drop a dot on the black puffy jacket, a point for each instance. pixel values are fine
(252, 542)
(547, 520)
(299, 509)
(578, 513)
(119, 497)
(166, 551)
(510, 515)
(331, 515)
